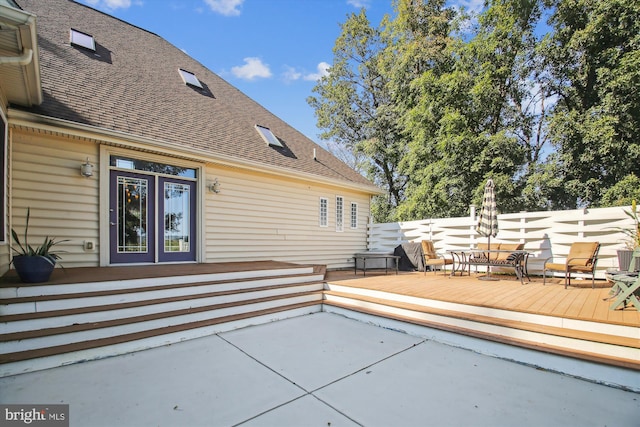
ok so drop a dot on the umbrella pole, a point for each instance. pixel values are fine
(488, 276)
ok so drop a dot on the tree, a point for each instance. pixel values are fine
(594, 58)
(623, 193)
(436, 102)
(418, 49)
(352, 106)
(467, 123)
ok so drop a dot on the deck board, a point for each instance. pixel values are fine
(576, 302)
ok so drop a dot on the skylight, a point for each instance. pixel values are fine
(81, 39)
(268, 136)
(190, 78)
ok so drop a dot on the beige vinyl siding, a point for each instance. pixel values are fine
(5, 246)
(45, 176)
(5, 255)
(258, 217)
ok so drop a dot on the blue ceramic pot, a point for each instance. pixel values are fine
(33, 269)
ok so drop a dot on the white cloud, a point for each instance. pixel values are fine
(225, 7)
(110, 4)
(323, 70)
(359, 4)
(472, 8)
(252, 69)
(291, 74)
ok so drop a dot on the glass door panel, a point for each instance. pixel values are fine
(177, 215)
(131, 218)
(133, 222)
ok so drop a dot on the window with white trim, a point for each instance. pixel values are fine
(324, 212)
(268, 136)
(78, 38)
(354, 215)
(339, 213)
(189, 78)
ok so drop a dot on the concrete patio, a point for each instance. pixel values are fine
(324, 370)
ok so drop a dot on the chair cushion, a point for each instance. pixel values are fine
(504, 256)
(555, 266)
(439, 261)
(428, 250)
(483, 247)
(571, 268)
(582, 253)
(581, 268)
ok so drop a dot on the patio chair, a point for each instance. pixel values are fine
(626, 285)
(582, 258)
(432, 258)
(628, 292)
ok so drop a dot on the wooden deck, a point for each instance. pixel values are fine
(128, 272)
(470, 306)
(579, 301)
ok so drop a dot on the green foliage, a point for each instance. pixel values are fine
(622, 193)
(594, 61)
(353, 106)
(633, 234)
(437, 101)
(45, 249)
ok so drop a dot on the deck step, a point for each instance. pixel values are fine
(619, 346)
(98, 313)
(42, 328)
(39, 306)
(133, 285)
(44, 298)
(75, 331)
(47, 358)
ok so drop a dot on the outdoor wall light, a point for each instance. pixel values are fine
(214, 186)
(86, 169)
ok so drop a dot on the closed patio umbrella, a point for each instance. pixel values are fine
(488, 219)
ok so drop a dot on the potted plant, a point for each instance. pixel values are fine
(34, 264)
(633, 239)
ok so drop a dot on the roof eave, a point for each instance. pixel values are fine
(25, 55)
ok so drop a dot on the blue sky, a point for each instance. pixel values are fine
(272, 50)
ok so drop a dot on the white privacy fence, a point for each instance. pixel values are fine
(544, 234)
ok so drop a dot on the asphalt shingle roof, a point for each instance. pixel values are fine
(131, 84)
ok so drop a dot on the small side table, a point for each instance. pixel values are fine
(365, 257)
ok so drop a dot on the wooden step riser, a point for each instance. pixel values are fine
(509, 334)
(32, 365)
(77, 337)
(96, 301)
(105, 313)
(57, 289)
(551, 321)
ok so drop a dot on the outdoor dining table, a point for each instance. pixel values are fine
(459, 258)
(462, 260)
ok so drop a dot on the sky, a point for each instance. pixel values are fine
(272, 50)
